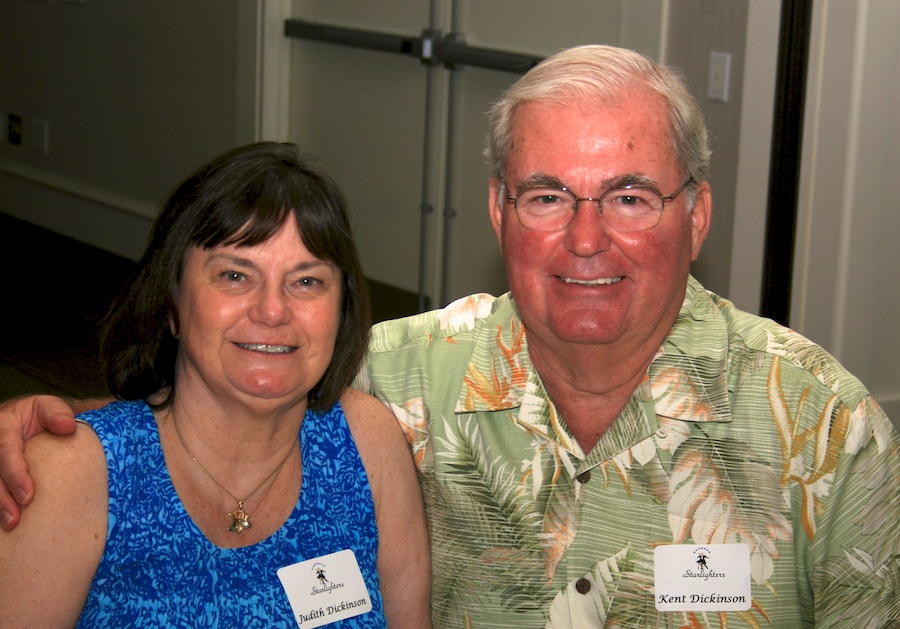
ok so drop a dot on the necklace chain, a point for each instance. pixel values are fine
(240, 519)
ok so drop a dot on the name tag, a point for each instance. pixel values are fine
(325, 589)
(710, 578)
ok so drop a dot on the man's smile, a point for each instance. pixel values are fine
(597, 282)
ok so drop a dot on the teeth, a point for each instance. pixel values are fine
(268, 349)
(600, 282)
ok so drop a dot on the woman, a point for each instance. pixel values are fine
(196, 503)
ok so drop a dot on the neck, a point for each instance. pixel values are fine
(237, 448)
(589, 384)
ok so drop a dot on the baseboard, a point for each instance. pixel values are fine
(92, 215)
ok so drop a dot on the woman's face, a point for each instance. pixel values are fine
(257, 324)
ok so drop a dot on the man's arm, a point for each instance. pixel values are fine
(20, 419)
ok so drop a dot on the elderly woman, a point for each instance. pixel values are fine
(242, 484)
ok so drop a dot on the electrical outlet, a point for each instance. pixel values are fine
(14, 129)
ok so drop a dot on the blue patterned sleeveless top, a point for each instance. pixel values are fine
(159, 570)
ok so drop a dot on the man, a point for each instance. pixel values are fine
(610, 444)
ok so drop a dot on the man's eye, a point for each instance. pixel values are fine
(629, 200)
(233, 276)
(544, 197)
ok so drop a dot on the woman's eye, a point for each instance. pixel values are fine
(233, 276)
(309, 281)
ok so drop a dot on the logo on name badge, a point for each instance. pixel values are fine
(701, 568)
(325, 586)
(714, 577)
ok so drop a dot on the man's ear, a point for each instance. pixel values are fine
(495, 208)
(701, 216)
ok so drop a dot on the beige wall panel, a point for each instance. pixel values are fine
(696, 28)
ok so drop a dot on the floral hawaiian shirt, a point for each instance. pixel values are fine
(742, 432)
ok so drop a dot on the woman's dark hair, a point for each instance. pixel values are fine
(241, 198)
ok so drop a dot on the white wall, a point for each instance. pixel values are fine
(846, 295)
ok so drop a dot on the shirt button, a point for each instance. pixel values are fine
(582, 586)
(584, 477)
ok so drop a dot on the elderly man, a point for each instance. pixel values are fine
(609, 444)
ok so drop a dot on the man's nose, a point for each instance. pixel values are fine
(588, 233)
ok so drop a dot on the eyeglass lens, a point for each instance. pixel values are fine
(625, 209)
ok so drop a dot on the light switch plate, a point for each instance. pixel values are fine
(719, 75)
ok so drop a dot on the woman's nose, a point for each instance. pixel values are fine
(270, 307)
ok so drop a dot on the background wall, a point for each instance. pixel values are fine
(120, 101)
(697, 27)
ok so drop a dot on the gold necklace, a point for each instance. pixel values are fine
(240, 519)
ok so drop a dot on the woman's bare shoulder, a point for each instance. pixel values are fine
(365, 412)
(68, 471)
(375, 430)
(79, 455)
(65, 459)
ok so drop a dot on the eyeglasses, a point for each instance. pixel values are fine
(626, 209)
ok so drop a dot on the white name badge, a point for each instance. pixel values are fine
(325, 589)
(710, 578)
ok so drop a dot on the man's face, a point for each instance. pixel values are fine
(585, 283)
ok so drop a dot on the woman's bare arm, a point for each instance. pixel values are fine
(404, 559)
(48, 562)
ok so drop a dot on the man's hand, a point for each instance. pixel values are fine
(21, 419)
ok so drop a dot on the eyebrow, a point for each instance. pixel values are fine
(246, 262)
(543, 180)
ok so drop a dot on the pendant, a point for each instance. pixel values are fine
(240, 520)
